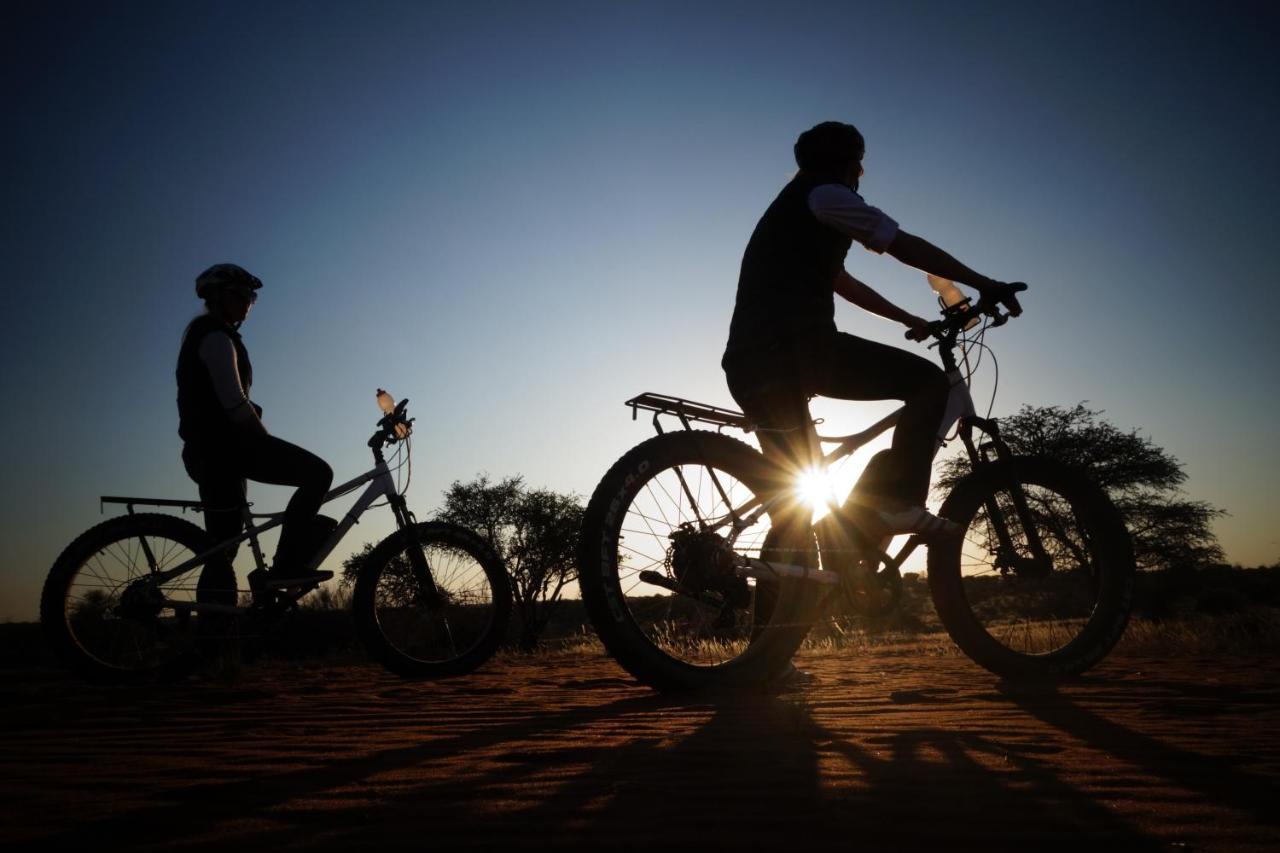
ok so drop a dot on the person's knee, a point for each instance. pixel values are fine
(935, 389)
(321, 475)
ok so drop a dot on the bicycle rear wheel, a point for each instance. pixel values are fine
(420, 633)
(656, 563)
(1023, 612)
(107, 618)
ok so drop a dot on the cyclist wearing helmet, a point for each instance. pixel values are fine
(225, 441)
(783, 345)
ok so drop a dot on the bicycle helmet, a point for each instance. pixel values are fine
(829, 147)
(221, 275)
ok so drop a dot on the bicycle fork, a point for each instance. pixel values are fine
(980, 455)
(408, 526)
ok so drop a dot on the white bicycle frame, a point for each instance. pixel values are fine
(959, 405)
(381, 484)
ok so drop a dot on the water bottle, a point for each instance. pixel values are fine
(946, 290)
(949, 295)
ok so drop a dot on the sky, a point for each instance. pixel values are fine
(518, 215)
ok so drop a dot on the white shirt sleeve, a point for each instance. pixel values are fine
(844, 210)
(218, 355)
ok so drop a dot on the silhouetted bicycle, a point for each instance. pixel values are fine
(695, 573)
(431, 600)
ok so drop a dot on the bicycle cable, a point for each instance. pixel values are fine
(970, 367)
(402, 449)
(977, 340)
(995, 362)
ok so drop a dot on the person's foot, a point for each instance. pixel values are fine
(262, 581)
(897, 519)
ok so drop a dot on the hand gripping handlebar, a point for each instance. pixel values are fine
(961, 316)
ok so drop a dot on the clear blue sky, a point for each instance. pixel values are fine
(518, 215)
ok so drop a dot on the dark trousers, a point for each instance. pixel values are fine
(220, 469)
(773, 388)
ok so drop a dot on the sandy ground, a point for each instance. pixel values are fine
(880, 751)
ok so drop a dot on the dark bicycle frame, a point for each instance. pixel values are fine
(980, 436)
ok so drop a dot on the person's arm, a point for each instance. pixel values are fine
(218, 354)
(860, 294)
(920, 253)
(839, 207)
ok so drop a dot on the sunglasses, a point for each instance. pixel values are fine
(247, 294)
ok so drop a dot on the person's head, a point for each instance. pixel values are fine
(831, 149)
(228, 291)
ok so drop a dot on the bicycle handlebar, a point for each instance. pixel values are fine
(392, 427)
(960, 316)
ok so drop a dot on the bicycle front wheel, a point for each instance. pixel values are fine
(661, 537)
(105, 615)
(1050, 594)
(443, 625)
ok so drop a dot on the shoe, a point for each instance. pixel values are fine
(263, 581)
(914, 520)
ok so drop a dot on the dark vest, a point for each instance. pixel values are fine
(785, 294)
(201, 417)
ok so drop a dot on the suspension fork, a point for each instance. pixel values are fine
(408, 527)
(977, 458)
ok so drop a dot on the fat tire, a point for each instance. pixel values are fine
(766, 656)
(1113, 554)
(54, 611)
(364, 602)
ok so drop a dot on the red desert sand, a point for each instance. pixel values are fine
(877, 752)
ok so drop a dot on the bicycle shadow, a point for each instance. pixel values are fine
(641, 769)
(757, 774)
(1215, 779)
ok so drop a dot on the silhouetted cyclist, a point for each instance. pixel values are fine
(784, 348)
(226, 442)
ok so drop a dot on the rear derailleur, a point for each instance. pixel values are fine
(705, 567)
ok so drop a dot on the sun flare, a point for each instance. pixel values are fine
(815, 487)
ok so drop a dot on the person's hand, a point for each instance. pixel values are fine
(917, 328)
(1004, 293)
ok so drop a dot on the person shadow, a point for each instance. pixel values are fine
(623, 768)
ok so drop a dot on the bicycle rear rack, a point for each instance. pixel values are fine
(194, 506)
(130, 503)
(687, 411)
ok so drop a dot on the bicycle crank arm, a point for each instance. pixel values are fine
(652, 577)
(765, 570)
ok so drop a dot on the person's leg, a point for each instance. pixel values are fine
(222, 491)
(771, 394)
(864, 370)
(267, 459)
(775, 398)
